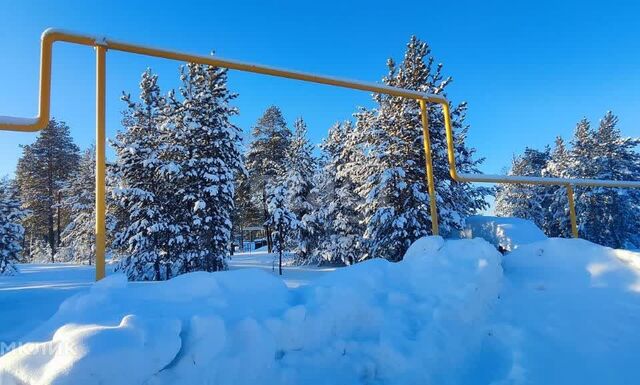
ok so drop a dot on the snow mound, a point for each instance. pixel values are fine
(376, 322)
(501, 231)
(78, 354)
(568, 314)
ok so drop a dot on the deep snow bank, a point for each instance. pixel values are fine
(502, 231)
(412, 322)
(569, 313)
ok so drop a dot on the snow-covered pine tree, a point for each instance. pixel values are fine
(338, 200)
(581, 165)
(524, 200)
(42, 171)
(41, 252)
(205, 147)
(299, 181)
(246, 213)
(266, 158)
(142, 236)
(281, 220)
(11, 230)
(557, 222)
(397, 203)
(78, 238)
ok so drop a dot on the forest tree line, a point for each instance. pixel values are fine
(608, 216)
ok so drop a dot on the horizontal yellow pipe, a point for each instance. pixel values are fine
(515, 179)
(51, 36)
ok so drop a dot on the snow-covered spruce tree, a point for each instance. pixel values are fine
(42, 171)
(315, 221)
(338, 200)
(557, 222)
(11, 230)
(204, 147)
(266, 159)
(322, 198)
(142, 235)
(299, 181)
(281, 220)
(524, 200)
(396, 207)
(117, 217)
(582, 144)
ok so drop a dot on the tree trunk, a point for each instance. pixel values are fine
(51, 240)
(58, 215)
(266, 217)
(269, 239)
(24, 247)
(156, 267)
(280, 247)
(51, 198)
(30, 244)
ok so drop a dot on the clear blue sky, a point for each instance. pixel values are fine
(528, 71)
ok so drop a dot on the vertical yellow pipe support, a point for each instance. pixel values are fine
(426, 142)
(44, 103)
(572, 211)
(101, 67)
(450, 145)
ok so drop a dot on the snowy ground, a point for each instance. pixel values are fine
(508, 233)
(293, 276)
(32, 297)
(555, 311)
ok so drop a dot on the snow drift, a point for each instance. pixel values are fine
(376, 322)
